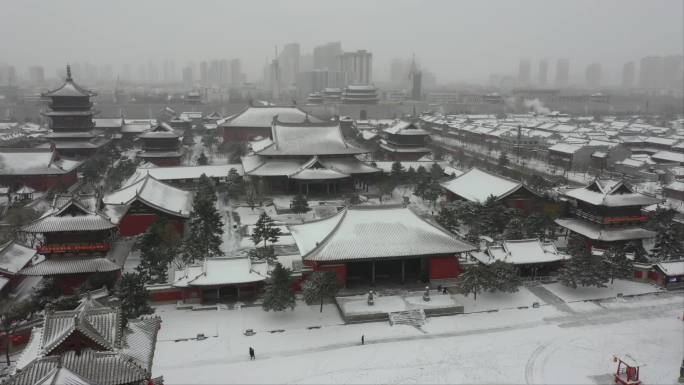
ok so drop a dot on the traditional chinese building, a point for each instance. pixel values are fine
(75, 241)
(478, 185)
(256, 121)
(38, 168)
(161, 146)
(13, 258)
(370, 244)
(89, 345)
(307, 157)
(71, 120)
(404, 141)
(607, 212)
(361, 94)
(530, 257)
(136, 206)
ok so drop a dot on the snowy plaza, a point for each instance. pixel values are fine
(541, 345)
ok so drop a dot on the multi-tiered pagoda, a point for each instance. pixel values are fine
(404, 141)
(71, 120)
(606, 213)
(161, 146)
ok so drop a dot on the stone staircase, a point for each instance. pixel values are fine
(415, 317)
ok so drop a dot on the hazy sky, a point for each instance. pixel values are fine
(458, 40)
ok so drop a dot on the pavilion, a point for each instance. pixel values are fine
(307, 157)
(370, 244)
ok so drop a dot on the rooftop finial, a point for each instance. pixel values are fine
(68, 72)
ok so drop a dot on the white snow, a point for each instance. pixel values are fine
(569, 294)
(537, 346)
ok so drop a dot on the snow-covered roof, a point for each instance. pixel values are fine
(262, 116)
(373, 232)
(610, 193)
(520, 252)
(671, 268)
(307, 138)
(69, 217)
(315, 170)
(676, 186)
(108, 122)
(221, 271)
(114, 261)
(566, 148)
(263, 166)
(601, 233)
(403, 127)
(477, 185)
(33, 161)
(13, 257)
(669, 156)
(154, 193)
(69, 89)
(184, 172)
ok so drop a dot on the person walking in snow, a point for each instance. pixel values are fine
(363, 339)
(251, 353)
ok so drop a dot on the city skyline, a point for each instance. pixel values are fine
(445, 45)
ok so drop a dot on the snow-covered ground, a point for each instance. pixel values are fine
(589, 293)
(541, 346)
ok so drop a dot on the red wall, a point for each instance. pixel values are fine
(41, 182)
(339, 269)
(135, 224)
(68, 283)
(444, 267)
(243, 134)
(176, 294)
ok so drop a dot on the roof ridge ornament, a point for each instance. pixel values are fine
(68, 73)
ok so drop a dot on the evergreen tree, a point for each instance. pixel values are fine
(11, 315)
(265, 230)
(410, 175)
(209, 140)
(473, 279)
(397, 172)
(279, 294)
(503, 278)
(319, 286)
(446, 219)
(436, 171)
(251, 195)
(386, 186)
(535, 224)
(206, 226)
(421, 173)
(503, 161)
(134, 298)
(234, 183)
(202, 159)
(158, 248)
(299, 204)
(514, 229)
(668, 244)
(583, 269)
(188, 138)
(617, 263)
(121, 170)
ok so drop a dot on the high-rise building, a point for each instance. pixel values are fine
(357, 67)
(169, 71)
(524, 72)
(188, 81)
(593, 75)
(673, 72)
(152, 72)
(543, 72)
(399, 71)
(236, 77)
(628, 74)
(204, 73)
(318, 80)
(562, 73)
(416, 77)
(306, 62)
(8, 76)
(289, 63)
(37, 75)
(327, 56)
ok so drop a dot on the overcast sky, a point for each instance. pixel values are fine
(458, 40)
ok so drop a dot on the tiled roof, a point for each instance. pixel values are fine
(477, 186)
(262, 117)
(402, 127)
(52, 223)
(610, 193)
(70, 266)
(13, 257)
(32, 161)
(607, 234)
(155, 194)
(63, 376)
(307, 138)
(363, 233)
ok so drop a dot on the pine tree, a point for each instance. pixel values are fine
(583, 269)
(11, 315)
(279, 294)
(514, 229)
(188, 138)
(668, 245)
(503, 278)
(234, 183)
(299, 204)
(503, 160)
(133, 296)
(206, 226)
(617, 264)
(265, 230)
(158, 248)
(436, 171)
(202, 159)
(397, 172)
(446, 219)
(319, 286)
(474, 279)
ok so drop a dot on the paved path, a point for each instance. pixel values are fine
(545, 295)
